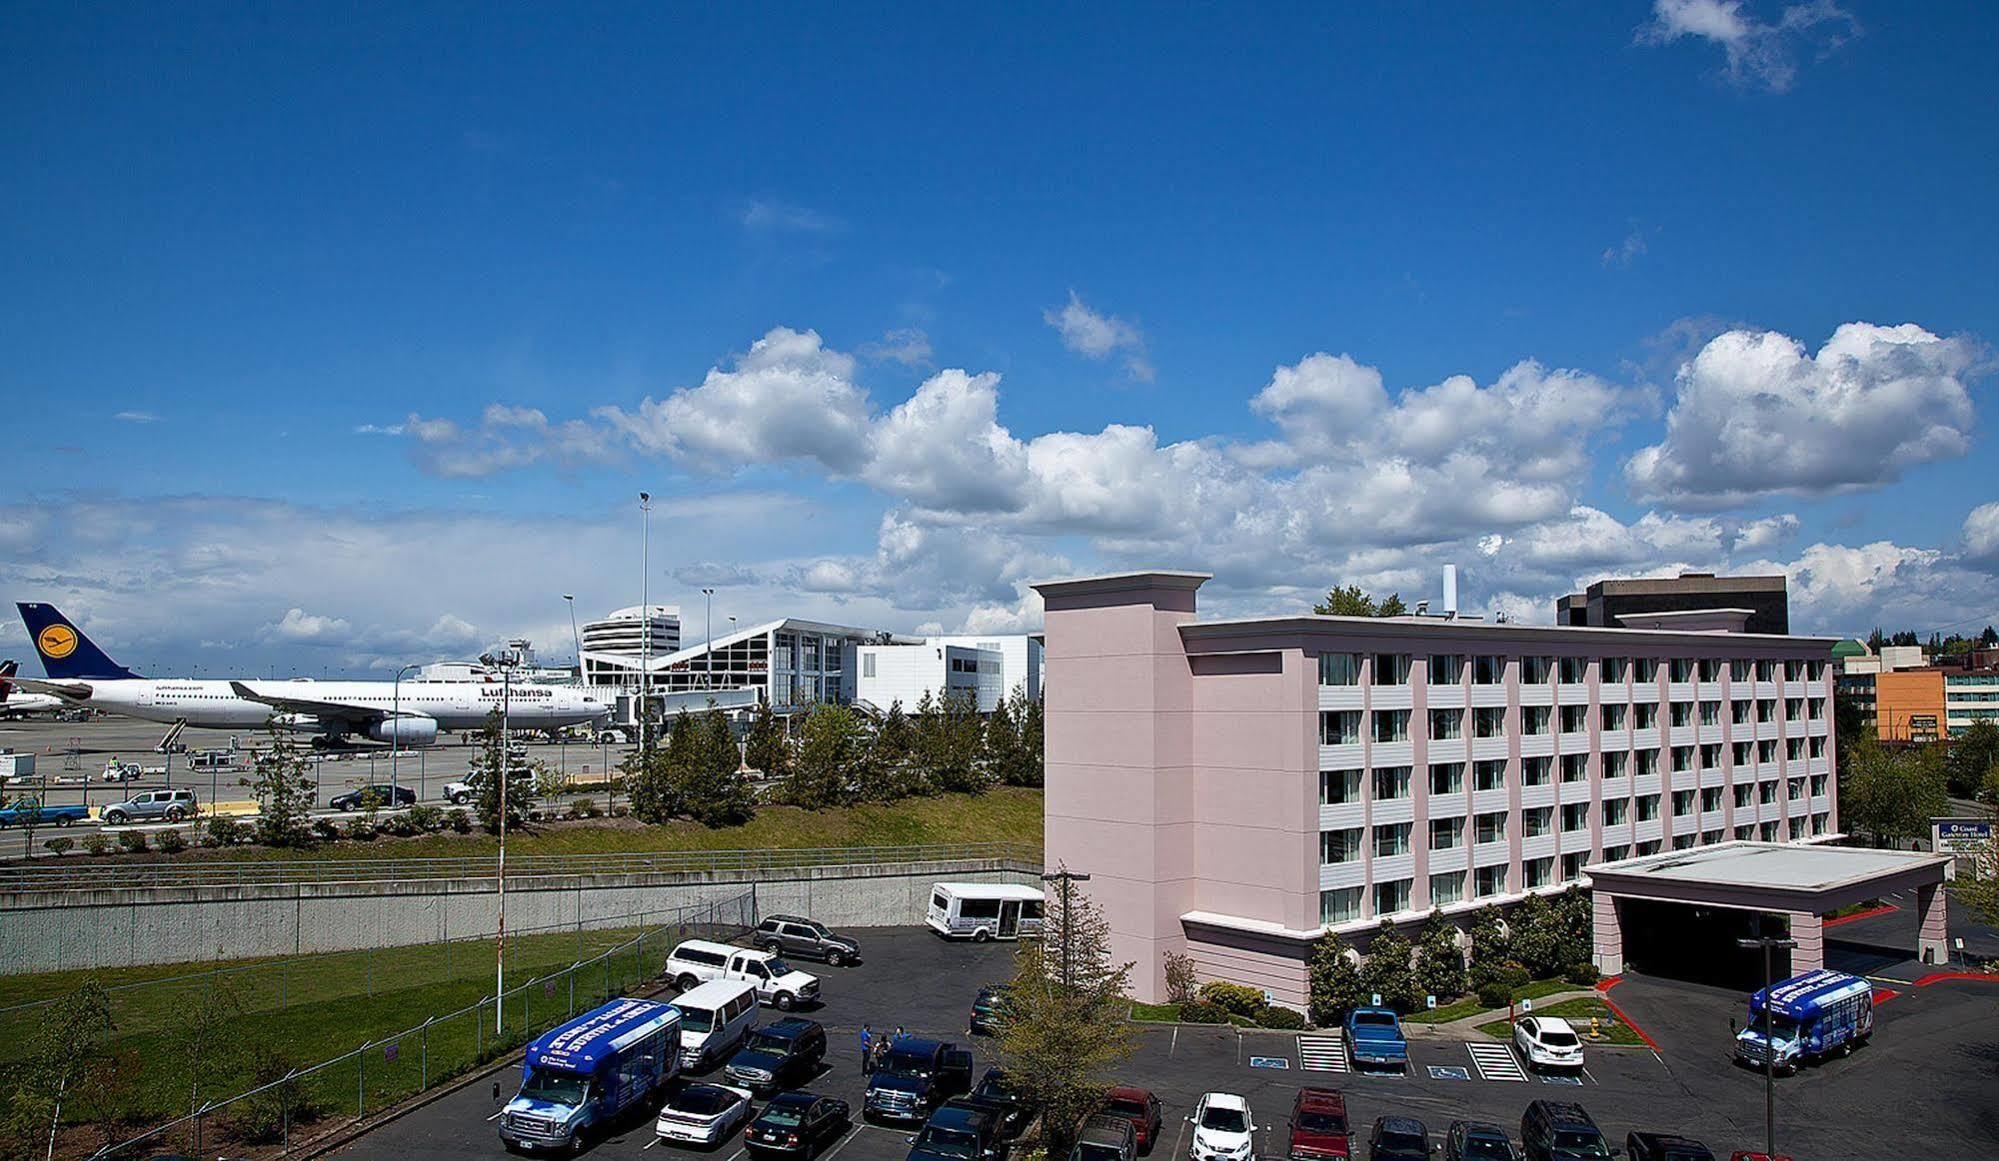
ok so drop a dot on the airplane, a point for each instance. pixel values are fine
(80, 673)
(14, 704)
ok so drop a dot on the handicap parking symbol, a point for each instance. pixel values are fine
(1558, 1078)
(1445, 1072)
(1269, 1062)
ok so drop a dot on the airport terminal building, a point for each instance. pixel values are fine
(1239, 787)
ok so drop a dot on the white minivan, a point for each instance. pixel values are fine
(714, 1018)
(982, 911)
(777, 982)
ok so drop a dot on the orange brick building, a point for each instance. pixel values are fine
(1909, 705)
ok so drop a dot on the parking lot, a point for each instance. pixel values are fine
(1923, 1086)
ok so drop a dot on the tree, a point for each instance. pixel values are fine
(1000, 748)
(766, 749)
(1537, 937)
(60, 1054)
(1892, 793)
(1440, 963)
(1354, 601)
(1876, 640)
(885, 772)
(1067, 1029)
(285, 794)
(1490, 946)
(1575, 921)
(654, 793)
(1978, 886)
(716, 793)
(1388, 970)
(1034, 757)
(1974, 755)
(948, 741)
(1335, 981)
(829, 749)
(487, 765)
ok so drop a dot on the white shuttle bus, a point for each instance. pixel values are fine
(982, 911)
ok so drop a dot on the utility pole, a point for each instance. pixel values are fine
(506, 665)
(708, 653)
(1065, 878)
(1769, 943)
(645, 628)
(570, 598)
(396, 731)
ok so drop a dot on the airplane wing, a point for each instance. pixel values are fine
(67, 690)
(344, 711)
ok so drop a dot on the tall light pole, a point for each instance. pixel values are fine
(571, 599)
(708, 653)
(506, 666)
(645, 627)
(396, 730)
(1065, 878)
(1768, 943)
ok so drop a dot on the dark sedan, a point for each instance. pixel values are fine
(797, 1125)
(383, 795)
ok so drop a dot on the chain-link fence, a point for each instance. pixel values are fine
(258, 1057)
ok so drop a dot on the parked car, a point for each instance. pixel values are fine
(1547, 1042)
(1138, 1106)
(383, 793)
(1318, 1125)
(915, 1076)
(1398, 1139)
(989, 1011)
(1010, 1109)
(1105, 1138)
(1374, 1037)
(1665, 1147)
(1560, 1131)
(31, 812)
(797, 1125)
(791, 935)
(1224, 1129)
(1478, 1141)
(1757, 1155)
(957, 1132)
(171, 805)
(703, 1114)
(777, 983)
(778, 1055)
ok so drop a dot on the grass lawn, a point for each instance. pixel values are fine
(1469, 1006)
(1160, 1013)
(1578, 1012)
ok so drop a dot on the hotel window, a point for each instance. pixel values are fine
(1446, 668)
(1339, 787)
(1797, 786)
(1745, 792)
(1575, 816)
(1794, 749)
(1815, 670)
(1616, 811)
(1710, 800)
(1446, 724)
(867, 665)
(1391, 669)
(1617, 854)
(1490, 828)
(1739, 672)
(1818, 785)
(1339, 727)
(1575, 719)
(1536, 771)
(1390, 841)
(1391, 725)
(1711, 837)
(1648, 763)
(1794, 671)
(1766, 751)
(1488, 670)
(1818, 709)
(1819, 824)
(1339, 846)
(1766, 670)
(1682, 670)
(1539, 873)
(1446, 833)
(1645, 669)
(1488, 721)
(1647, 715)
(1390, 898)
(1447, 888)
(1745, 832)
(1489, 881)
(1648, 807)
(1535, 670)
(1572, 865)
(1339, 669)
(1710, 713)
(1615, 669)
(1339, 906)
(1447, 778)
(1797, 828)
(1683, 713)
(1573, 670)
(1391, 783)
(1766, 792)
(1743, 753)
(1683, 803)
(1575, 767)
(1794, 709)
(1710, 670)
(1616, 764)
(1739, 712)
(1648, 848)
(1684, 842)
(1711, 756)
(1534, 719)
(1768, 831)
(1537, 821)
(1614, 716)
(1683, 759)
(1489, 775)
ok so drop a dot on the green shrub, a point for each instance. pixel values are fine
(325, 829)
(426, 818)
(59, 845)
(1514, 975)
(133, 840)
(1235, 999)
(399, 825)
(226, 832)
(172, 842)
(361, 830)
(584, 808)
(97, 844)
(1277, 1016)
(1495, 995)
(1202, 1012)
(460, 820)
(1584, 974)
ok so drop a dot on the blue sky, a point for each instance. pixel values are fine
(896, 311)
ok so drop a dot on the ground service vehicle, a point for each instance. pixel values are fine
(171, 805)
(1810, 1016)
(915, 1076)
(1478, 1141)
(956, 1132)
(989, 1011)
(982, 911)
(1561, 1131)
(715, 1018)
(1547, 1042)
(1011, 1110)
(31, 812)
(384, 795)
(578, 1078)
(459, 793)
(703, 1114)
(1664, 1147)
(777, 982)
(778, 1055)
(1223, 1128)
(1318, 1126)
(797, 1125)
(1374, 1038)
(1398, 1139)
(1138, 1106)
(1105, 1138)
(791, 935)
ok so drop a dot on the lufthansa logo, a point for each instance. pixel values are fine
(56, 641)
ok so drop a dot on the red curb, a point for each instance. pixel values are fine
(1603, 989)
(1940, 977)
(1870, 913)
(1883, 995)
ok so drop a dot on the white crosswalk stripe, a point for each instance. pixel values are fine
(1495, 1061)
(1322, 1053)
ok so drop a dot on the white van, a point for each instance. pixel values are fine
(714, 1018)
(777, 982)
(982, 911)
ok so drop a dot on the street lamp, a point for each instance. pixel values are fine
(1065, 878)
(708, 653)
(506, 667)
(571, 599)
(645, 627)
(396, 730)
(1769, 943)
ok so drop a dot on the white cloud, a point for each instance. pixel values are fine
(298, 626)
(1627, 251)
(773, 216)
(136, 417)
(1099, 336)
(944, 448)
(906, 345)
(1981, 533)
(1759, 53)
(1766, 533)
(379, 429)
(506, 437)
(1756, 415)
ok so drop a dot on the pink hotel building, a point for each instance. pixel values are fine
(1236, 788)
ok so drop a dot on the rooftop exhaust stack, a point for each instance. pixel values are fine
(1451, 591)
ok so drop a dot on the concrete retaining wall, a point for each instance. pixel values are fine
(62, 930)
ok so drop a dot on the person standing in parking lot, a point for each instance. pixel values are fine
(867, 1049)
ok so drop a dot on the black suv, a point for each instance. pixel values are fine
(1665, 1147)
(957, 1133)
(915, 1076)
(990, 1011)
(791, 935)
(1009, 1108)
(1561, 1131)
(781, 1055)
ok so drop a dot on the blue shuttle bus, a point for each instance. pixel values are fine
(581, 1076)
(1811, 1016)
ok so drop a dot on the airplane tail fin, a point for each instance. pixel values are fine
(66, 652)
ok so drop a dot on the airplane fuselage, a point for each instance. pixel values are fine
(454, 705)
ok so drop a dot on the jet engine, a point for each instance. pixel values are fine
(415, 730)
